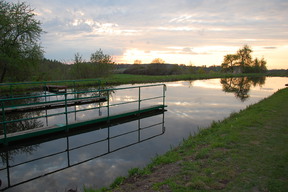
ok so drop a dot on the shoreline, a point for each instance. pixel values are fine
(120, 79)
(245, 152)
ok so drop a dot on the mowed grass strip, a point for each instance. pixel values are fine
(245, 152)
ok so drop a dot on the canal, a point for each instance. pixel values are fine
(96, 157)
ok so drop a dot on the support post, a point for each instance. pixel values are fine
(66, 111)
(164, 94)
(4, 123)
(139, 100)
(108, 106)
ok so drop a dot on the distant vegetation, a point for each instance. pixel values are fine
(168, 69)
(100, 65)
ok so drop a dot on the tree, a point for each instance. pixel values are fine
(242, 62)
(102, 63)
(229, 62)
(100, 57)
(78, 59)
(156, 67)
(158, 61)
(245, 58)
(53, 70)
(19, 47)
(259, 66)
(263, 67)
(78, 68)
(137, 62)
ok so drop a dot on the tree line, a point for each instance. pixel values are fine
(99, 65)
(21, 56)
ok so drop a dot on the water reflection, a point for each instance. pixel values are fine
(18, 126)
(240, 86)
(37, 117)
(56, 112)
(75, 149)
(190, 107)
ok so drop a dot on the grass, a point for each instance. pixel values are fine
(132, 79)
(245, 152)
(117, 79)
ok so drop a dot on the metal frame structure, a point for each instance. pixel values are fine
(44, 84)
(7, 137)
(107, 140)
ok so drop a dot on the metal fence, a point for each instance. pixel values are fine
(47, 101)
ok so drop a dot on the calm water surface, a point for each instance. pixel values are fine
(96, 158)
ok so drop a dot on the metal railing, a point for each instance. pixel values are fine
(42, 84)
(107, 140)
(70, 96)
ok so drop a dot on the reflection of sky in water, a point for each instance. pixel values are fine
(191, 105)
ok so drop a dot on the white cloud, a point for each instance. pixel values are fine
(156, 25)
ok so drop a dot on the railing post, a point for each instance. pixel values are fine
(163, 121)
(99, 87)
(4, 123)
(139, 100)
(45, 89)
(108, 137)
(8, 168)
(66, 111)
(68, 151)
(164, 95)
(139, 130)
(108, 106)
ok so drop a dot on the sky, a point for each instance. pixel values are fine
(191, 32)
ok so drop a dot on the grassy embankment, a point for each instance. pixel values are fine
(245, 152)
(131, 79)
(117, 79)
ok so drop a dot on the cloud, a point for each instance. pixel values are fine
(128, 24)
(270, 47)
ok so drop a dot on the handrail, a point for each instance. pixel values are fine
(69, 163)
(43, 82)
(104, 92)
(81, 92)
(46, 83)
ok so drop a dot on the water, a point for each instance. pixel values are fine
(94, 159)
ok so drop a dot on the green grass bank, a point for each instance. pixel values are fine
(245, 152)
(117, 79)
